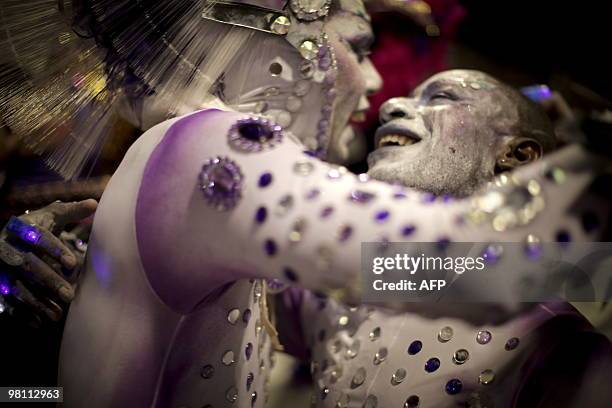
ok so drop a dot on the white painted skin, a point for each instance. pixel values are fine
(141, 329)
(463, 120)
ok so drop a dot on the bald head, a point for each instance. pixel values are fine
(456, 131)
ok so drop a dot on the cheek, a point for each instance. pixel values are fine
(350, 84)
(455, 126)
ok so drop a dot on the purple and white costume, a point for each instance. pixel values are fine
(205, 208)
(182, 327)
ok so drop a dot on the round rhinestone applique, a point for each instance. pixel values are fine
(221, 182)
(310, 10)
(280, 25)
(254, 134)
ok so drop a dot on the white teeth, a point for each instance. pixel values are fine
(400, 140)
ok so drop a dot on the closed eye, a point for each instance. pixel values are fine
(442, 96)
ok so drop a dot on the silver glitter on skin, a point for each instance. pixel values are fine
(464, 135)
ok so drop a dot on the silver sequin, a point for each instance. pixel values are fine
(461, 356)
(486, 377)
(445, 334)
(483, 337)
(358, 378)
(228, 358)
(398, 377)
(233, 316)
(380, 356)
(352, 350)
(375, 334)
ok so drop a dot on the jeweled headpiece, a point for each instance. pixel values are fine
(64, 73)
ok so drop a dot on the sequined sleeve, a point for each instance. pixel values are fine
(224, 197)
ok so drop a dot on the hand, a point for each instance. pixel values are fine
(40, 266)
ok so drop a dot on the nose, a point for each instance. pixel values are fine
(373, 80)
(396, 108)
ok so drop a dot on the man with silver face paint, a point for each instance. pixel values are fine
(167, 314)
(458, 130)
(455, 132)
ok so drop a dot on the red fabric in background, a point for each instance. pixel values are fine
(404, 55)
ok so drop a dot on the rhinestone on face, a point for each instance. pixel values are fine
(483, 337)
(306, 69)
(380, 356)
(308, 49)
(280, 25)
(301, 88)
(371, 402)
(358, 378)
(398, 376)
(512, 343)
(461, 356)
(454, 386)
(375, 334)
(221, 182)
(228, 358)
(412, 402)
(231, 395)
(254, 134)
(432, 365)
(324, 392)
(486, 377)
(253, 398)
(207, 372)
(445, 334)
(233, 316)
(415, 347)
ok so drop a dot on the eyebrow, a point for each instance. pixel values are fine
(436, 85)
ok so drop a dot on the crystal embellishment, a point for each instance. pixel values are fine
(309, 49)
(280, 25)
(255, 134)
(221, 181)
(309, 10)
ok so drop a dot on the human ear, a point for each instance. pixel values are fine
(517, 151)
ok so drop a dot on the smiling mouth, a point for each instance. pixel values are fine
(397, 140)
